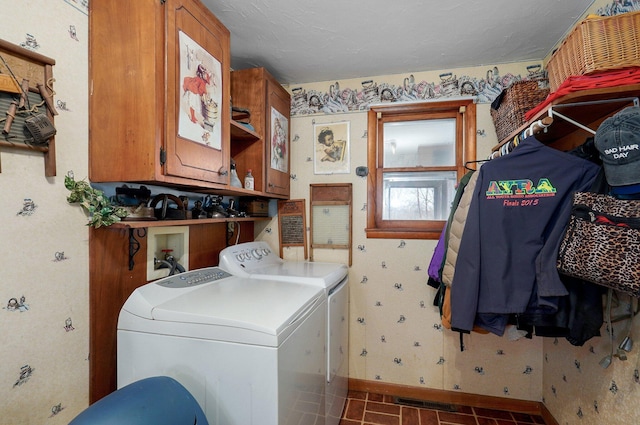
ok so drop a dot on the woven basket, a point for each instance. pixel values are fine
(597, 44)
(518, 99)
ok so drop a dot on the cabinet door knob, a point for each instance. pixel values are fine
(223, 172)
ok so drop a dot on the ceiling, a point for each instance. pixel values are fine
(302, 41)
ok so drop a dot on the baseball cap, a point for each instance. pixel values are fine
(618, 142)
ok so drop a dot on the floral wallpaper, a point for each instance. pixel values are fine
(599, 382)
(44, 336)
(396, 335)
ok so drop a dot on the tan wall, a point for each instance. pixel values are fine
(396, 333)
(55, 290)
(55, 287)
(575, 388)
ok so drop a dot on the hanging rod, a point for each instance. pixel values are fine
(537, 127)
(553, 112)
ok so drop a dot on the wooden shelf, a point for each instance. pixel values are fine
(240, 132)
(238, 191)
(137, 224)
(562, 134)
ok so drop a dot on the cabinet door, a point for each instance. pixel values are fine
(126, 101)
(197, 121)
(277, 139)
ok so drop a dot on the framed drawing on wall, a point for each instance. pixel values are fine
(201, 79)
(279, 141)
(331, 148)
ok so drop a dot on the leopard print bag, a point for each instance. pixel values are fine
(601, 243)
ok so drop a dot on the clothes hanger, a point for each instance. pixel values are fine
(476, 161)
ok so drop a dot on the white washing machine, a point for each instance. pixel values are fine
(256, 260)
(250, 352)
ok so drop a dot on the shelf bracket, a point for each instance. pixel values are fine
(554, 113)
(134, 244)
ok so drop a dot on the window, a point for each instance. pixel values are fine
(416, 154)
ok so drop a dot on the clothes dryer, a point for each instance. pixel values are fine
(250, 352)
(256, 260)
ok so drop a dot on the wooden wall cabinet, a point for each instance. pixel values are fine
(136, 101)
(270, 105)
(137, 89)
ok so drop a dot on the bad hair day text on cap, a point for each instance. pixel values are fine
(618, 142)
(620, 152)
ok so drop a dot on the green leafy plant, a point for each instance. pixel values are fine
(101, 211)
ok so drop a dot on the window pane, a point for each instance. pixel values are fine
(422, 195)
(423, 143)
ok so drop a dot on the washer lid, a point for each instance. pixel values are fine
(267, 307)
(257, 260)
(324, 275)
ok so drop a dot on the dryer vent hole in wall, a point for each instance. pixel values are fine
(425, 404)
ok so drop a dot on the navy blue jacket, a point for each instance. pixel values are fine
(507, 258)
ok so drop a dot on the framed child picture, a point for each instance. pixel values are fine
(201, 77)
(331, 148)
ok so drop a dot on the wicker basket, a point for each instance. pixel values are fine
(518, 99)
(597, 44)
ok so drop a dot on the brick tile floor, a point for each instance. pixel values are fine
(376, 409)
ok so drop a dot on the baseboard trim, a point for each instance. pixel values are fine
(454, 397)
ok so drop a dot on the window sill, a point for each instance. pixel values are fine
(406, 233)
